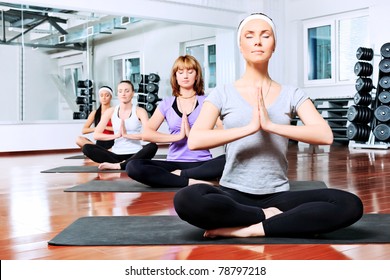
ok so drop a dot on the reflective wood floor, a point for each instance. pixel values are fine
(34, 207)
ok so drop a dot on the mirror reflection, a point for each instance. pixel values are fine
(56, 59)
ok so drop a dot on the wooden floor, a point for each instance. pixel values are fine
(34, 207)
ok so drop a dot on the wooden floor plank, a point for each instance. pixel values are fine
(34, 208)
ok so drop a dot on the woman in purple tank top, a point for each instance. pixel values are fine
(182, 167)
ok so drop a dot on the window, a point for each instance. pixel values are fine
(330, 45)
(126, 67)
(205, 52)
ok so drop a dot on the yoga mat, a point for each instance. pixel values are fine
(80, 169)
(134, 186)
(171, 230)
(116, 186)
(76, 157)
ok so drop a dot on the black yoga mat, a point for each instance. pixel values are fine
(171, 230)
(116, 186)
(76, 157)
(133, 186)
(80, 169)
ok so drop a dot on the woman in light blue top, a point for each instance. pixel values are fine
(254, 197)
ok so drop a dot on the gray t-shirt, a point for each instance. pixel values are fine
(257, 163)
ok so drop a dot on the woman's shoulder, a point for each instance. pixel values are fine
(167, 101)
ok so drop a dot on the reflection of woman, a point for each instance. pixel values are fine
(127, 122)
(105, 96)
(180, 111)
(254, 197)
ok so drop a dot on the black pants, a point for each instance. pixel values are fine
(157, 173)
(100, 154)
(105, 144)
(304, 212)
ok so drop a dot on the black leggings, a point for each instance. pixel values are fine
(105, 144)
(100, 154)
(157, 173)
(306, 212)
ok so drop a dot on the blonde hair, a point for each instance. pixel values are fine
(187, 62)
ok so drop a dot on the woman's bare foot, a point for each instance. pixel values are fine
(176, 172)
(250, 231)
(107, 165)
(271, 211)
(194, 181)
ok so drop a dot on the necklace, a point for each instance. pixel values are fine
(187, 97)
(269, 87)
(180, 106)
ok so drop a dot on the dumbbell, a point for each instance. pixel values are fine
(362, 99)
(364, 84)
(384, 82)
(384, 97)
(382, 132)
(153, 78)
(385, 50)
(364, 54)
(363, 69)
(358, 132)
(359, 114)
(382, 113)
(384, 65)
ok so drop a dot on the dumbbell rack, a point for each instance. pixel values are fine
(84, 99)
(147, 88)
(377, 113)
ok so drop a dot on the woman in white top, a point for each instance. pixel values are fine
(127, 121)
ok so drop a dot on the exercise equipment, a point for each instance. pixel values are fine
(148, 92)
(382, 113)
(362, 99)
(384, 97)
(384, 65)
(382, 132)
(363, 69)
(365, 54)
(385, 50)
(359, 114)
(358, 132)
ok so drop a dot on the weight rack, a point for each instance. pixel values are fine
(370, 116)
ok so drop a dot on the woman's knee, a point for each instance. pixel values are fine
(134, 168)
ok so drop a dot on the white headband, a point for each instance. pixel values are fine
(251, 17)
(106, 88)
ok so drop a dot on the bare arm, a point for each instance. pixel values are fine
(98, 134)
(87, 125)
(315, 130)
(151, 134)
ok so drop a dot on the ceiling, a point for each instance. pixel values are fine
(55, 28)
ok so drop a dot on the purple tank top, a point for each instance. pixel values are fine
(178, 151)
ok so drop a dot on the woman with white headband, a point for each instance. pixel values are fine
(127, 120)
(105, 96)
(254, 197)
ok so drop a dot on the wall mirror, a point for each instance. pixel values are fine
(49, 56)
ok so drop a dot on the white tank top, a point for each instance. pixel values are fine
(133, 125)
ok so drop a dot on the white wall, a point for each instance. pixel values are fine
(298, 10)
(9, 73)
(50, 135)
